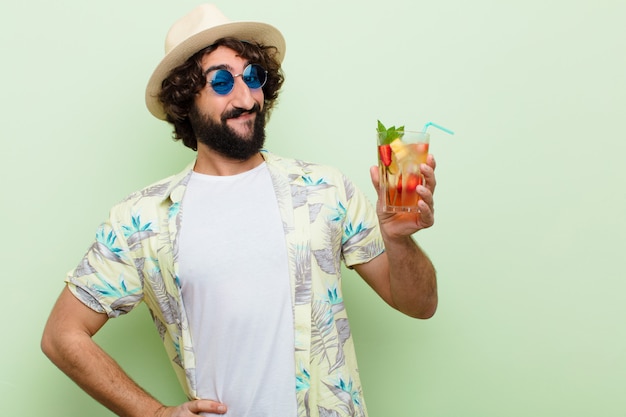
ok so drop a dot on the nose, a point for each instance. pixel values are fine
(242, 96)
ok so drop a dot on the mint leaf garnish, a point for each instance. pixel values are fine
(389, 134)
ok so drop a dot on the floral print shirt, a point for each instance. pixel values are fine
(326, 220)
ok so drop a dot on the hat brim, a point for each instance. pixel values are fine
(260, 33)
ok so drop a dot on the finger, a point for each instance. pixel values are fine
(430, 160)
(207, 406)
(429, 177)
(426, 214)
(426, 206)
(427, 170)
(426, 196)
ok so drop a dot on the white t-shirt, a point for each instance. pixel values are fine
(236, 292)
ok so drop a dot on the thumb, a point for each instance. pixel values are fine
(375, 176)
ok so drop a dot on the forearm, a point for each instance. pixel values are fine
(100, 376)
(67, 341)
(412, 278)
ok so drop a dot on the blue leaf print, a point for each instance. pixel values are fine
(114, 291)
(348, 396)
(335, 299)
(108, 240)
(333, 295)
(137, 231)
(351, 230)
(173, 210)
(308, 181)
(340, 213)
(348, 388)
(136, 226)
(303, 379)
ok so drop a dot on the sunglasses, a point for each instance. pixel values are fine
(223, 81)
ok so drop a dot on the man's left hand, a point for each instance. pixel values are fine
(405, 224)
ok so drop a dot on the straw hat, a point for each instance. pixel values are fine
(195, 31)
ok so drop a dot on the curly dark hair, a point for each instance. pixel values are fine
(184, 82)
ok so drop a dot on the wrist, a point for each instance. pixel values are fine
(162, 411)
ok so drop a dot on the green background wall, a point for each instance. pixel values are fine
(530, 207)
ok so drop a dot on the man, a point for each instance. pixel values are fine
(238, 257)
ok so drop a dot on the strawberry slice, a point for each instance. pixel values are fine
(385, 154)
(413, 181)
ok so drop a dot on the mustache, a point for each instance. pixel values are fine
(236, 112)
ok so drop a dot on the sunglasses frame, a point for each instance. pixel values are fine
(260, 70)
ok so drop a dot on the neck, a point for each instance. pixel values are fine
(210, 162)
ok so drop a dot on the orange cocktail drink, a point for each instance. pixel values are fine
(400, 154)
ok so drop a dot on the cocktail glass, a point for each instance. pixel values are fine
(399, 162)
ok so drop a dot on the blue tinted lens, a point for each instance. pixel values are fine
(254, 76)
(222, 82)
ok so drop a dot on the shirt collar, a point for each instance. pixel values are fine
(178, 183)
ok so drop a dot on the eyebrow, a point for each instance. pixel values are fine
(222, 66)
(218, 67)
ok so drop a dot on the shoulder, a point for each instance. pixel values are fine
(315, 182)
(301, 168)
(161, 193)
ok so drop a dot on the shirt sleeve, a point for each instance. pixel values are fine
(107, 279)
(361, 241)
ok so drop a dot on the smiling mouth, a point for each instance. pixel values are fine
(244, 116)
(236, 113)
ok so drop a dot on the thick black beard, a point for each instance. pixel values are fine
(225, 141)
